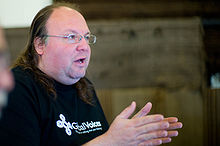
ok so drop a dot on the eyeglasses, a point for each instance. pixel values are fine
(76, 38)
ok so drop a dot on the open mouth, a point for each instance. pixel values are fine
(81, 60)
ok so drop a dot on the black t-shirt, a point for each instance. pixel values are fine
(32, 118)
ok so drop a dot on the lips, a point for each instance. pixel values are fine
(80, 60)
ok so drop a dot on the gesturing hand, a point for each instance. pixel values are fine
(173, 124)
(142, 129)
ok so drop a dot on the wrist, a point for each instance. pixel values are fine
(102, 140)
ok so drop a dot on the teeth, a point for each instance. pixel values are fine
(81, 61)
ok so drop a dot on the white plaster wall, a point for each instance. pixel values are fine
(20, 13)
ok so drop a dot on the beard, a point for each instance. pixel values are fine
(3, 100)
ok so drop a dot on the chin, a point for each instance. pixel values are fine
(81, 73)
(78, 76)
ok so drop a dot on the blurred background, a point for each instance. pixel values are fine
(163, 51)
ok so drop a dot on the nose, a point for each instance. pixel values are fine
(83, 45)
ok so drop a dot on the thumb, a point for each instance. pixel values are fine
(126, 113)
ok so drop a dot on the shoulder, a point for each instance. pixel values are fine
(22, 74)
(25, 77)
(27, 95)
(24, 82)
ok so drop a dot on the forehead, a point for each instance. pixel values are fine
(65, 19)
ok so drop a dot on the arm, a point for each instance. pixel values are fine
(139, 130)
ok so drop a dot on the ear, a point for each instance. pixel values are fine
(39, 45)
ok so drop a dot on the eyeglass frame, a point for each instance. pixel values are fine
(76, 34)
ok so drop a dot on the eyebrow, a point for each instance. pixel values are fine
(74, 31)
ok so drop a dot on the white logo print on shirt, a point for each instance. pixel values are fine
(85, 127)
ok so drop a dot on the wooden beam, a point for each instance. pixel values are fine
(100, 9)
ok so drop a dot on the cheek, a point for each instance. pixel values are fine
(89, 53)
(62, 59)
(57, 56)
(89, 59)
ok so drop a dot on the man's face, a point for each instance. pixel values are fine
(65, 62)
(6, 79)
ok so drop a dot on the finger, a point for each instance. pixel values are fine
(166, 139)
(157, 141)
(172, 133)
(144, 111)
(171, 119)
(151, 142)
(126, 113)
(152, 135)
(152, 127)
(176, 125)
(147, 119)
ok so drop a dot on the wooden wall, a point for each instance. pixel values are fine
(109, 9)
(213, 119)
(16, 38)
(157, 60)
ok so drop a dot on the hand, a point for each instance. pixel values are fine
(173, 123)
(141, 129)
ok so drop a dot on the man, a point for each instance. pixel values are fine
(54, 104)
(6, 79)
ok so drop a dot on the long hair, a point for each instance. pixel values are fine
(29, 59)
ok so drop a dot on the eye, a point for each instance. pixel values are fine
(72, 36)
(87, 37)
